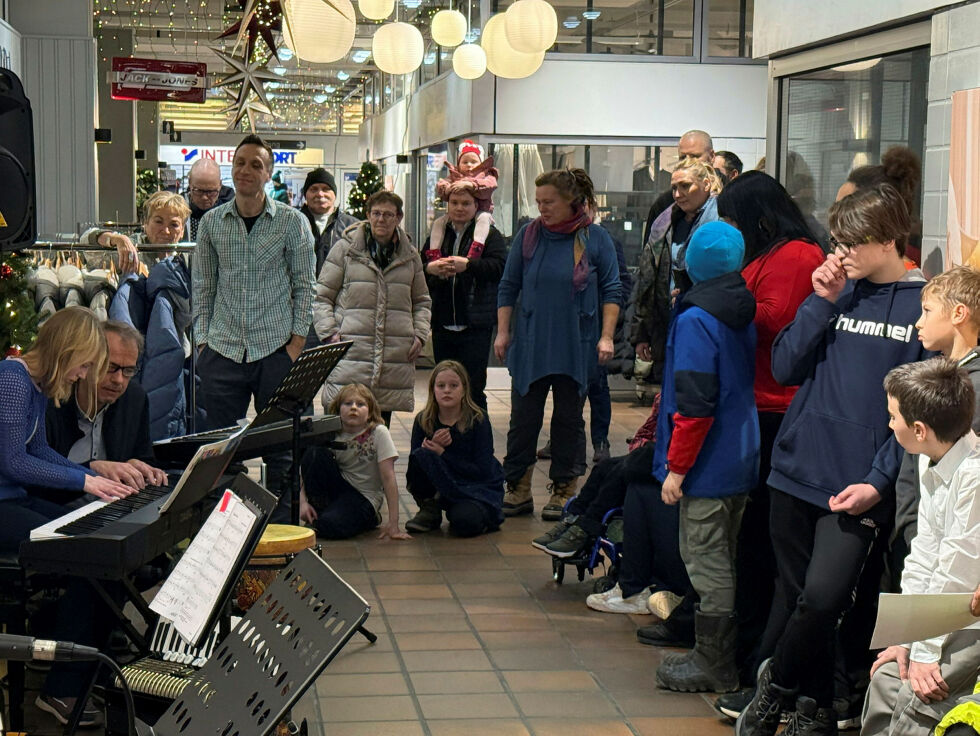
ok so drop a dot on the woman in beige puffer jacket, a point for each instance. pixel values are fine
(383, 312)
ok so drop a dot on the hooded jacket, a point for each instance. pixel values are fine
(337, 223)
(381, 311)
(708, 427)
(835, 432)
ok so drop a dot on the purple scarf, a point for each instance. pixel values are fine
(578, 223)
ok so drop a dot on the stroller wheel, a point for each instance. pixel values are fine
(557, 570)
(601, 585)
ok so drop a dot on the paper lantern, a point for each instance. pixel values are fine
(317, 32)
(448, 28)
(532, 26)
(469, 61)
(376, 9)
(398, 48)
(502, 59)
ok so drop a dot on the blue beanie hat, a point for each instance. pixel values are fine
(716, 248)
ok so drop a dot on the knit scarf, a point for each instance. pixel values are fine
(578, 223)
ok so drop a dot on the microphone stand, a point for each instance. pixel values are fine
(72, 725)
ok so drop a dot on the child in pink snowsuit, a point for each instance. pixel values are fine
(477, 176)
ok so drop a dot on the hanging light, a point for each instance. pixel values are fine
(502, 59)
(448, 28)
(591, 14)
(318, 31)
(571, 21)
(532, 26)
(469, 61)
(376, 9)
(398, 48)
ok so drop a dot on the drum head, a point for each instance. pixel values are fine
(284, 539)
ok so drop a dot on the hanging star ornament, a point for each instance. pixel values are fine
(259, 19)
(250, 76)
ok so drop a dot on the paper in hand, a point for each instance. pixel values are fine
(907, 618)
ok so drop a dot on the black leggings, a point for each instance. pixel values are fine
(467, 517)
(342, 511)
(605, 488)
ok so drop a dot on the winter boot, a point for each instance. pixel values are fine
(429, 517)
(809, 720)
(761, 716)
(710, 666)
(517, 497)
(554, 533)
(562, 491)
(677, 630)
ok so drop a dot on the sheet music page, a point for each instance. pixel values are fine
(907, 618)
(203, 453)
(191, 593)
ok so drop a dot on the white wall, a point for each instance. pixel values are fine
(783, 25)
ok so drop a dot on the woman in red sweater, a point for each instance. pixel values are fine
(780, 255)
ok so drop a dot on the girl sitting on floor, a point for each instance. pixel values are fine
(452, 466)
(342, 490)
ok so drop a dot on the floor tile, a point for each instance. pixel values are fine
(566, 705)
(437, 640)
(582, 727)
(376, 728)
(496, 622)
(501, 606)
(395, 592)
(482, 727)
(349, 662)
(534, 659)
(410, 623)
(521, 639)
(681, 726)
(438, 683)
(422, 607)
(656, 702)
(482, 705)
(543, 681)
(465, 591)
(370, 708)
(331, 685)
(449, 660)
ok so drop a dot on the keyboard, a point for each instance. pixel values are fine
(94, 516)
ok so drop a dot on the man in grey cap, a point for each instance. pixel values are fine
(326, 220)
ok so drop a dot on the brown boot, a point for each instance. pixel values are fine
(517, 497)
(562, 491)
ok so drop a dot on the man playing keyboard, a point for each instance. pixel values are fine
(113, 437)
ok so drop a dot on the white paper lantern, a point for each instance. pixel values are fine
(469, 61)
(448, 28)
(398, 48)
(317, 32)
(376, 9)
(502, 59)
(532, 26)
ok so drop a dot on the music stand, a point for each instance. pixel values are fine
(264, 666)
(291, 398)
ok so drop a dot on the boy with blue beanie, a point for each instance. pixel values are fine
(707, 446)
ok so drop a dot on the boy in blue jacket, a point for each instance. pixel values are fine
(707, 448)
(834, 463)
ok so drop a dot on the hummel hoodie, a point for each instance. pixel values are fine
(836, 429)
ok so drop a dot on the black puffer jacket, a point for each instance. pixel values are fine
(469, 298)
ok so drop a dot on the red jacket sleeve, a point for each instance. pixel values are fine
(686, 441)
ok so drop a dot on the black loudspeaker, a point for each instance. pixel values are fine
(18, 216)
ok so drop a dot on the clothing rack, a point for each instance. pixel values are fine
(70, 246)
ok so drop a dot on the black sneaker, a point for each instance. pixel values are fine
(761, 716)
(554, 533)
(572, 542)
(809, 720)
(61, 709)
(600, 451)
(848, 712)
(545, 452)
(731, 704)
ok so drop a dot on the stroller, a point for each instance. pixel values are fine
(607, 548)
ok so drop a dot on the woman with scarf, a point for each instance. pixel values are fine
(561, 286)
(694, 185)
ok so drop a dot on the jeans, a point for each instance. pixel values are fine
(228, 387)
(600, 404)
(605, 488)
(567, 429)
(819, 558)
(471, 347)
(467, 517)
(342, 511)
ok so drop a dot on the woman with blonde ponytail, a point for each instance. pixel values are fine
(564, 272)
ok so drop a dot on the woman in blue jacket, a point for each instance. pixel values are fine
(563, 271)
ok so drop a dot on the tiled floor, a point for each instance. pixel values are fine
(475, 637)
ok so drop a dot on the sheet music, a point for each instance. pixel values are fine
(907, 618)
(203, 453)
(191, 593)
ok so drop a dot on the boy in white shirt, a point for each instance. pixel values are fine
(930, 405)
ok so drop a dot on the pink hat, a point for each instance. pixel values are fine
(470, 147)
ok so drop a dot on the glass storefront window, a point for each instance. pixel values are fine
(730, 28)
(836, 119)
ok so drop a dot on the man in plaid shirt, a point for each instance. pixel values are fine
(253, 296)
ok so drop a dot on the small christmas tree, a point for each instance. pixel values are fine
(367, 183)
(18, 320)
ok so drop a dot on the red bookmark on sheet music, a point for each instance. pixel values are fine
(225, 500)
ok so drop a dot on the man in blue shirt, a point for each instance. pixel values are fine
(253, 296)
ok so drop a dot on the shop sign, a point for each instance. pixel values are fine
(224, 155)
(158, 81)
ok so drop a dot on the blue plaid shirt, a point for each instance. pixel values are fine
(253, 290)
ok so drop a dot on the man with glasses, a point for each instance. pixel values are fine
(113, 437)
(205, 191)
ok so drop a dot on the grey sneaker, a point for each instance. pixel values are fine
(600, 451)
(61, 709)
(554, 533)
(574, 540)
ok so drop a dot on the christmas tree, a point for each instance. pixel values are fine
(18, 321)
(367, 183)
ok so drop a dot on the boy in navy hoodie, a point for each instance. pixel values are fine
(834, 463)
(706, 455)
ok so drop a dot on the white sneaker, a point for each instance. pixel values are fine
(612, 601)
(662, 603)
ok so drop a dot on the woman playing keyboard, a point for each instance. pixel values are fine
(69, 348)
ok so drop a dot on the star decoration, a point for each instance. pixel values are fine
(250, 108)
(250, 76)
(259, 19)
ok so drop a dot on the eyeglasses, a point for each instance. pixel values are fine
(844, 248)
(379, 215)
(127, 370)
(206, 192)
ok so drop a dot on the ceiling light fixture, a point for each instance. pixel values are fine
(571, 21)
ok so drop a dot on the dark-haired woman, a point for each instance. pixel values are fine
(781, 254)
(563, 269)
